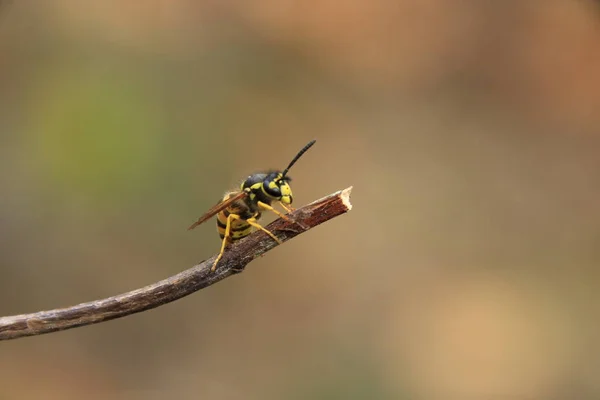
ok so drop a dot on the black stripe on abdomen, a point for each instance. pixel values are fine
(237, 225)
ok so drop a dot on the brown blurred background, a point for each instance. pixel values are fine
(468, 268)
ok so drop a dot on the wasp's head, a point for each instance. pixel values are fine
(273, 185)
(276, 186)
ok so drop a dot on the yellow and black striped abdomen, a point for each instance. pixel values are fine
(239, 227)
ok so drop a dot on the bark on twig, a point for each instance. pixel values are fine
(235, 259)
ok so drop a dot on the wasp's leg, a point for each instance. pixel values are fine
(269, 208)
(288, 209)
(254, 223)
(230, 218)
(265, 206)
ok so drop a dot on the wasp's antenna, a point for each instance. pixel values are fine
(308, 146)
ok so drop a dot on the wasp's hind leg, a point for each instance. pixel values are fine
(226, 237)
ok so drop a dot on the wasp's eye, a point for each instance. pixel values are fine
(272, 189)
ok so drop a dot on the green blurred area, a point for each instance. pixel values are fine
(95, 133)
(467, 269)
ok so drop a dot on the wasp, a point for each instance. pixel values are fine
(238, 211)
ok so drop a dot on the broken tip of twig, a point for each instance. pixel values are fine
(345, 196)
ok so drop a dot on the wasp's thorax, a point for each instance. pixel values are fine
(269, 187)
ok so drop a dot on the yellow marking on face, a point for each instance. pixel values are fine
(286, 190)
(286, 199)
(272, 185)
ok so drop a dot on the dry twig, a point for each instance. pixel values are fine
(187, 282)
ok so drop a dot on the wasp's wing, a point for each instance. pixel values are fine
(220, 206)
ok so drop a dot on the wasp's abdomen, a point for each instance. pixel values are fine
(239, 227)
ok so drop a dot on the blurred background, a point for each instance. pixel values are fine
(468, 268)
